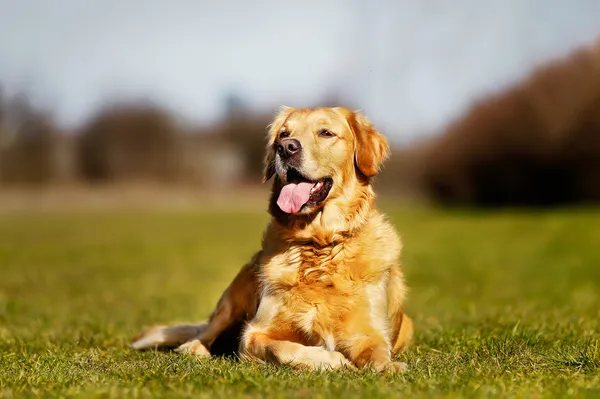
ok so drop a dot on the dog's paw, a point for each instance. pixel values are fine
(395, 367)
(338, 360)
(149, 339)
(316, 358)
(388, 367)
(195, 348)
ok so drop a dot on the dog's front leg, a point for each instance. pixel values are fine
(366, 339)
(262, 346)
(371, 351)
(269, 338)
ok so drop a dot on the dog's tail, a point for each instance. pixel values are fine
(167, 337)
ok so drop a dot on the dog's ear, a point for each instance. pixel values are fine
(371, 147)
(269, 162)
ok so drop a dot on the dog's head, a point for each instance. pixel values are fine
(319, 154)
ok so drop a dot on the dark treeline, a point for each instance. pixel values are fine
(128, 142)
(536, 143)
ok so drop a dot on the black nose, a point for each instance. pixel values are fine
(288, 147)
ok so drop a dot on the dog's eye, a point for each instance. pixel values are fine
(326, 133)
(284, 134)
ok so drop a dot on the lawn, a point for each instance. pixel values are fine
(506, 304)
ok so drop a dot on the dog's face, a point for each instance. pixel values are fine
(317, 153)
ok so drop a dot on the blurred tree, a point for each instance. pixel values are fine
(537, 143)
(28, 140)
(128, 142)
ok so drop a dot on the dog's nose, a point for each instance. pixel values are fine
(289, 147)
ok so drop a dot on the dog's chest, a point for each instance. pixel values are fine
(308, 266)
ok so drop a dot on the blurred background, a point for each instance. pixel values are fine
(137, 106)
(485, 103)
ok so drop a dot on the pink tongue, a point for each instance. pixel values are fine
(293, 196)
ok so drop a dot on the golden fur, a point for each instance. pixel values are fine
(326, 290)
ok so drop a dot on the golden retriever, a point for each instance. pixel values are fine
(326, 290)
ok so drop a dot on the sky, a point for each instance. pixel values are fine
(410, 66)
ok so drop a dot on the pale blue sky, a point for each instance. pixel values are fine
(410, 65)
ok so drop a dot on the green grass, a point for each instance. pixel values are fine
(505, 304)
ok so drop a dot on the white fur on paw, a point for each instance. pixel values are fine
(338, 360)
(151, 338)
(324, 360)
(396, 367)
(195, 348)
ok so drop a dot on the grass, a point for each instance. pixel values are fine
(505, 304)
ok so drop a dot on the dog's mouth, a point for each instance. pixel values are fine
(300, 191)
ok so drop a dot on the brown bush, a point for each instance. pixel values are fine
(32, 150)
(537, 143)
(28, 159)
(130, 142)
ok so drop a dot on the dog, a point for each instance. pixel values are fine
(326, 290)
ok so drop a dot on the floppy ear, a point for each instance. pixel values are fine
(269, 161)
(371, 147)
